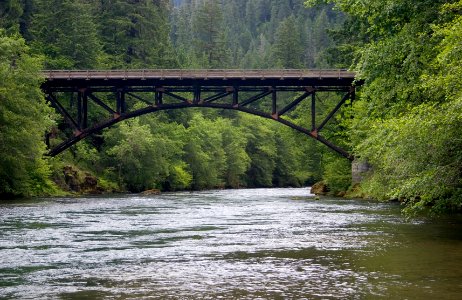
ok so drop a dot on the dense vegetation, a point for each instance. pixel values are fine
(406, 122)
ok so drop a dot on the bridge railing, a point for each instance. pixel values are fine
(200, 74)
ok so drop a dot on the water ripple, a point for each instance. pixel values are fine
(232, 244)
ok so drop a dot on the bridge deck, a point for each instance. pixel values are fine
(289, 77)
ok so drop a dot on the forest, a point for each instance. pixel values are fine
(405, 122)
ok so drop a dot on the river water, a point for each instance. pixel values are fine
(231, 244)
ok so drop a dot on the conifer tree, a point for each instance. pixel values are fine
(10, 13)
(64, 31)
(209, 43)
(288, 48)
(136, 34)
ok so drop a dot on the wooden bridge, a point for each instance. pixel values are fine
(114, 91)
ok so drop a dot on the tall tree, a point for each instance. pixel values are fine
(64, 31)
(10, 13)
(140, 157)
(288, 48)
(136, 33)
(204, 153)
(24, 117)
(209, 43)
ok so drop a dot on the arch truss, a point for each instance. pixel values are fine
(114, 92)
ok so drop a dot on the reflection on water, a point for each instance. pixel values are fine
(235, 244)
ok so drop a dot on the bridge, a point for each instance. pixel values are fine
(114, 90)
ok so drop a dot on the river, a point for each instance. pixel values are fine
(230, 244)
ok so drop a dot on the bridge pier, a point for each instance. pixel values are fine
(359, 169)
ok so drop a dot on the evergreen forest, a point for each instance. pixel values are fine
(405, 122)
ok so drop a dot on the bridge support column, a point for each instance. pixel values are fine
(274, 108)
(359, 169)
(235, 96)
(84, 118)
(82, 108)
(120, 101)
(313, 111)
(197, 94)
(158, 100)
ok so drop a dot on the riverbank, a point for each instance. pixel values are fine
(320, 188)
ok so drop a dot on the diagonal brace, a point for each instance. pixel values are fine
(176, 97)
(139, 98)
(101, 103)
(217, 96)
(63, 111)
(294, 103)
(332, 113)
(255, 98)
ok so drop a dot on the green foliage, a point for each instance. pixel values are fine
(10, 13)
(24, 117)
(288, 48)
(142, 157)
(135, 33)
(250, 34)
(64, 31)
(204, 152)
(237, 159)
(407, 121)
(208, 38)
(261, 147)
(337, 174)
(179, 177)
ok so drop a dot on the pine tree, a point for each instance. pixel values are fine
(10, 13)
(65, 32)
(288, 48)
(209, 43)
(136, 33)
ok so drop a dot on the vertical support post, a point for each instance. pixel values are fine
(197, 94)
(352, 94)
(120, 101)
(79, 109)
(84, 108)
(313, 111)
(274, 109)
(235, 96)
(158, 96)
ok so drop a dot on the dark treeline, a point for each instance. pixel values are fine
(256, 34)
(406, 120)
(189, 149)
